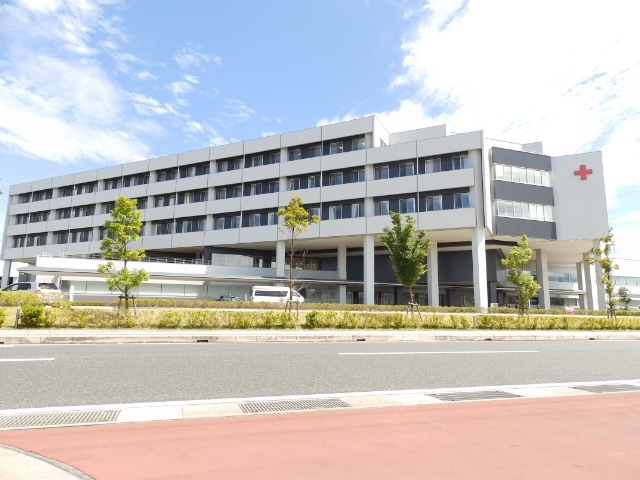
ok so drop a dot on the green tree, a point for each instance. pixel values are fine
(603, 256)
(122, 230)
(525, 284)
(623, 296)
(408, 250)
(296, 220)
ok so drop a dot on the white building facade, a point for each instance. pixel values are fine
(211, 224)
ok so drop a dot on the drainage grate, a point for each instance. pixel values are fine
(608, 388)
(57, 419)
(292, 405)
(463, 396)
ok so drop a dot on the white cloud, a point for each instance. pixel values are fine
(180, 87)
(238, 111)
(190, 56)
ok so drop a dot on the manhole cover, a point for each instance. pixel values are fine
(465, 396)
(57, 419)
(608, 388)
(292, 405)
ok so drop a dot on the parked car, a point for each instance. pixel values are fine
(48, 292)
(228, 298)
(274, 294)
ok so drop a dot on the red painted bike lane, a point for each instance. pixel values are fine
(580, 437)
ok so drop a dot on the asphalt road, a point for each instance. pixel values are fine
(74, 375)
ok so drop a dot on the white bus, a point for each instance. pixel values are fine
(274, 294)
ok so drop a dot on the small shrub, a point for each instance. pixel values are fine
(312, 320)
(201, 319)
(32, 315)
(169, 319)
(348, 320)
(240, 320)
(3, 316)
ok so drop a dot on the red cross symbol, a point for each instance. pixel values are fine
(583, 172)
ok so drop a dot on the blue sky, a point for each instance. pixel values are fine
(86, 84)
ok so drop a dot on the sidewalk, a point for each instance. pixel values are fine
(61, 336)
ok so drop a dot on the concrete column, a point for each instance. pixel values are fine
(432, 275)
(582, 300)
(342, 273)
(479, 256)
(280, 258)
(590, 286)
(542, 274)
(368, 274)
(6, 273)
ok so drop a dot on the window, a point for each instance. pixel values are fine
(256, 189)
(254, 219)
(189, 225)
(294, 184)
(166, 175)
(218, 223)
(163, 228)
(358, 144)
(357, 210)
(107, 207)
(407, 205)
(357, 175)
(236, 191)
(256, 161)
(38, 217)
(313, 211)
(274, 186)
(295, 154)
(79, 236)
(63, 213)
(235, 221)
(274, 157)
(141, 203)
(381, 207)
(22, 219)
(272, 218)
(24, 198)
(18, 242)
(65, 191)
(164, 200)
(335, 212)
(434, 203)
(460, 162)
(221, 193)
(335, 178)
(314, 181)
(223, 166)
(433, 165)
(335, 147)
(85, 211)
(381, 172)
(83, 188)
(461, 200)
(42, 195)
(315, 151)
(60, 238)
(112, 183)
(37, 240)
(134, 180)
(407, 169)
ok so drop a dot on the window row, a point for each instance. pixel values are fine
(527, 211)
(530, 176)
(424, 203)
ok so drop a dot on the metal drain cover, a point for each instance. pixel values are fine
(57, 419)
(292, 405)
(464, 396)
(608, 388)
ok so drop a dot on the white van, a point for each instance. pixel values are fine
(274, 294)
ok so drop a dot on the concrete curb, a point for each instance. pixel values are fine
(51, 336)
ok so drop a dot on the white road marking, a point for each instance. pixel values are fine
(26, 359)
(439, 353)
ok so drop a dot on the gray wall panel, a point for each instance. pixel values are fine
(522, 192)
(516, 227)
(521, 159)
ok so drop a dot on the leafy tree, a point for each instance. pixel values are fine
(516, 261)
(408, 250)
(296, 221)
(603, 256)
(123, 229)
(623, 297)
